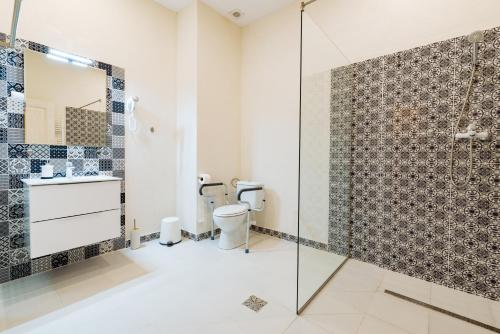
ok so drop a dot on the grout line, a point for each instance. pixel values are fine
(360, 323)
(290, 324)
(443, 311)
(386, 322)
(384, 271)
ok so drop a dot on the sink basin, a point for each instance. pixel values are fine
(69, 180)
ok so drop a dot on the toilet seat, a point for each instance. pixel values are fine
(233, 210)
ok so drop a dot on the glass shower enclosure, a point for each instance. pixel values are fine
(323, 229)
(398, 152)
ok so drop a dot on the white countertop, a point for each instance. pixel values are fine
(65, 180)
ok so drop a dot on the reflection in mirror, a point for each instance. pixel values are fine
(65, 101)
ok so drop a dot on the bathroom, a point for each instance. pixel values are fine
(361, 135)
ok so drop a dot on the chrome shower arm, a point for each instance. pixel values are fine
(13, 28)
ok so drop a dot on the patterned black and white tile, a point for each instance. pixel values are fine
(19, 160)
(390, 187)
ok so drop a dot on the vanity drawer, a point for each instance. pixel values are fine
(65, 200)
(58, 235)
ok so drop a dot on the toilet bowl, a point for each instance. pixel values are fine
(232, 220)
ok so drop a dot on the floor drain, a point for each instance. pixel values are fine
(449, 313)
(254, 303)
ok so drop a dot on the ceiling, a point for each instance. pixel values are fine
(348, 31)
(252, 9)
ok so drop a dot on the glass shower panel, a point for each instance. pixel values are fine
(403, 145)
(324, 163)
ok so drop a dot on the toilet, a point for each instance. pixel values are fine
(232, 219)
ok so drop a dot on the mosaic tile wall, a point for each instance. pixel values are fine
(86, 127)
(314, 157)
(340, 162)
(18, 161)
(394, 114)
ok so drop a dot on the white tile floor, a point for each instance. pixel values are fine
(314, 270)
(354, 302)
(197, 288)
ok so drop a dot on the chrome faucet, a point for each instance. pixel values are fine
(69, 169)
(472, 133)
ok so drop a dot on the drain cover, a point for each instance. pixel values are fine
(254, 303)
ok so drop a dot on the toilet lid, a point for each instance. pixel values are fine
(230, 210)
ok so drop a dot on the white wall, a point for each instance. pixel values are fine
(219, 63)
(139, 36)
(187, 116)
(336, 32)
(269, 106)
(270, 109)
(209, 54)
(319, 53)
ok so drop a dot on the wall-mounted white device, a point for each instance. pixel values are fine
(130, 109)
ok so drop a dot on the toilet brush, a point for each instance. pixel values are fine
(135, 237)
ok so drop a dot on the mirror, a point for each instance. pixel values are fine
(65, 101)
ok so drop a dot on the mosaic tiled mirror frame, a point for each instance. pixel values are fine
(19, 160)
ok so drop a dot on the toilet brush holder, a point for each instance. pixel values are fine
(135, 237)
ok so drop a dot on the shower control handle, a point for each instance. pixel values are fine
(472, 133)
(472, 127)
(462, 135)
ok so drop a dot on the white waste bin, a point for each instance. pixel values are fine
(170, 233)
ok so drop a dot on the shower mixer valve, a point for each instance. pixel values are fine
(472, 133)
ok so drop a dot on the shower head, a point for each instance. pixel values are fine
(476, 37)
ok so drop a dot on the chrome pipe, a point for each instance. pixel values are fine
(247, 238)
(15, 20)
(211, 202)
(247, 250)
(212, 209)
(91, 103)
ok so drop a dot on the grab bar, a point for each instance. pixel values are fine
(247, 250)
(246, 190)
(206, 185)
(212, 203)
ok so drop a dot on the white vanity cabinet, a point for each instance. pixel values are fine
(69, 213)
